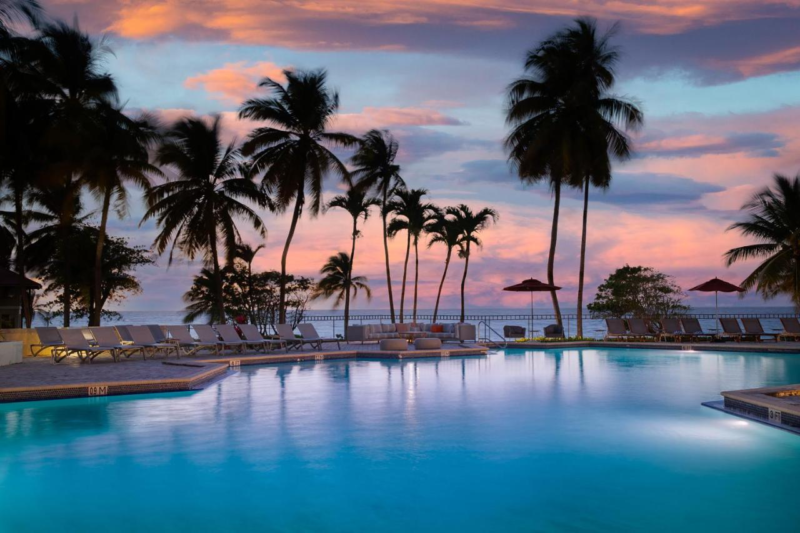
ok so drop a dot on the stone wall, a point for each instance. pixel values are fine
(26, 337)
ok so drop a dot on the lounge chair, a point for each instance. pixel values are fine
(157, 332)
(124, 334)
(670, 329)
(553, 331)
(731, 329)
(309, 333)
(228, 333)
(250, 333)
(207, 334)
(76, 344)
(286, 334)
(693, 329)
(142, 337)
(48, 338)
(617, 329)
(180, 336)
(752, 326)
(107, 336)
(639, 329)
(791, 329)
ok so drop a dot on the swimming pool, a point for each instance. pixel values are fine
(581, 440)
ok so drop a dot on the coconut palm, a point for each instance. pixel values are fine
(15, 10)
(411, 215)
(445, 230)
(292, 150)
(375, 169)
(587, 60)
(119, 157)
(358, 205)
(774, 220)
(470, 225)
(338, 282)
(200, 206)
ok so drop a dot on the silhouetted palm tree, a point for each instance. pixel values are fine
(774, 220)
(337, 282)
(358, 205)
(118, 157)
(375, 169)
(411, 215)
(445, 230)
(469, 224)
(12, 11)
(198, 208)
(248, 254)
(290, 150)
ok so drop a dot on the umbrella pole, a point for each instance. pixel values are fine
(716, 309)
(530, 319)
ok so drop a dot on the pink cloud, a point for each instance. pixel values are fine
(385, 117)
(759, 65)
(234, 82)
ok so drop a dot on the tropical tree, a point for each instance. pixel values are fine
(339, 283)
(118, 157)
(357, 204)
(470, 225)
(774, 221)
(200, 206)
(15, 10)
(292, 151)
(375, 169)
(637, 291)
(412, 215)
(444, 230)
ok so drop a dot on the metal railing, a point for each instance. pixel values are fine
(486, 337)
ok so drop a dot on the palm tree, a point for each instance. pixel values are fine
(470, 224)
(118, 157)
(588, 60)
(445, 230)
(248, 254)
(411, 215)
(355, 202)
(337, 281)
(290, 150)
(13, 10)
(774, 220)
(375, 168)
(201, 204)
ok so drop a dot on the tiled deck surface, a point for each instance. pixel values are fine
(38, 378)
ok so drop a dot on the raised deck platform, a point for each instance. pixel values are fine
(775, 406)
(40, 379)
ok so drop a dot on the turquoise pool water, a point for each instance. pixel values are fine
(575, 440)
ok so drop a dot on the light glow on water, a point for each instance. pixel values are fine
(608, 440)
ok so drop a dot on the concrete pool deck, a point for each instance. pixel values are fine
(37, 378)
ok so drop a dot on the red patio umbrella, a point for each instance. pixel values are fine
(531, 285)
(717, 286)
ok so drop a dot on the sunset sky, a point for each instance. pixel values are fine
(718, 81)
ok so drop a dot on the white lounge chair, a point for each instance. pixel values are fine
(142, 336)
(48, 338)
(250, 332)
(286, 334)
(75, 343)
(228, 334)
(180, 336)
(107, 336)
(207, 334)
(309, 333)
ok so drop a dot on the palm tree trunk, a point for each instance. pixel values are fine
(441, 284)
(212, 240)
(416, 275)
(464, 283)
(95, 298)
(583, 256)
(405, 272)
(25, 302)
(298, 208)
(551, 259)
(350, 279)
(386, 255)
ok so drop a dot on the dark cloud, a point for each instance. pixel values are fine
(643, 188)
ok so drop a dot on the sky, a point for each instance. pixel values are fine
(717, 81)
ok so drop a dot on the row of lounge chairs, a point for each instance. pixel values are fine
(149, 341)
(680, 329)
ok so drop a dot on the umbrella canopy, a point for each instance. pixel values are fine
(717, 285)
(532, 285)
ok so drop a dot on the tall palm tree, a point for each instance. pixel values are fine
(470, 225)
(774, 220)
(199, 207)
(375, 168)
(588, 59)
(445, 230)
(14, 10)
(411, 215)
(357, 204)
(118, 157)
(291, 150)
(337, 282)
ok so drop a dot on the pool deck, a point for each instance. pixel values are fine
(762, 347)
(37, 378)
(775, 406)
